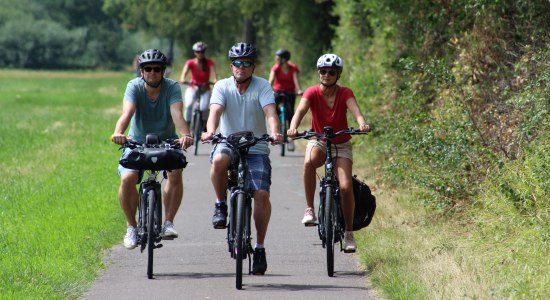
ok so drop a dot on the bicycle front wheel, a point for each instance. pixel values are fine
(151, 197)
(329, 230)
(239, 241)
(197, 129)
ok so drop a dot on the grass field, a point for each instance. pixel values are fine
(58, 206)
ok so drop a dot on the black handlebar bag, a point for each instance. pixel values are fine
(154, 159)
(365, 204)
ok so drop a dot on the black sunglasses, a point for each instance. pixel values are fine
(238, 64)
(156, 69)
(330, 72)
(200, 51)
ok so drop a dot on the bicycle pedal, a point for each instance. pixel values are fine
(310, 224)
(158, 246)
(168, 238)
(349, 251)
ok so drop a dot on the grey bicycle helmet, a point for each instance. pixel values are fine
(242, 50)
(283, 53)
(152, 56)
(330, 61)
(199, 46)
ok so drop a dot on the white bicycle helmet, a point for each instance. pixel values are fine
(199, 46)
(330, 61)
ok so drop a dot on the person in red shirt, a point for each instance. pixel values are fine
(329, 103)
(284, 78)
(201, 69)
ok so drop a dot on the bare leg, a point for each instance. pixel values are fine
(218, 174)
(173, 194)
(262, 214)
(343, 171)
(128, 196)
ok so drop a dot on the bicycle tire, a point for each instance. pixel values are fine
(329, 229)
(150, 232)
(197, 129)
(282, 122)
(142, 219)
(239, 240)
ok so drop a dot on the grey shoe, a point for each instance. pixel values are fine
(349, 242)
(168, 231)
(309, 217)
(130, 239)
(219, 219)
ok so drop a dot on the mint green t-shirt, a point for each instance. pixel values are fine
(152, 116)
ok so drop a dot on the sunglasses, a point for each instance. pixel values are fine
(238, 64)
(330, 72)
(200, 51)
(156, 69)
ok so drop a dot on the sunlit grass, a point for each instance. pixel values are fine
(58, 207)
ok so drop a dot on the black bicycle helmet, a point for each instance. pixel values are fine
(283, 53)
(152, 56)
(330, 61)
(199, 47)
(242, 50)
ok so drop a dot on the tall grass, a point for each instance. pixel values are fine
(58, 206)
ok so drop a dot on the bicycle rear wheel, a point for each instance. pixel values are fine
(329, 230)
(151, 232)
(197, 129)
(239, 241)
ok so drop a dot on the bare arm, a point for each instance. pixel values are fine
(353, 107)
(128, 109)
(273, 121)
(213, 122)
(184, 73)
(271, 77)
(297, 83)
(177, 116)
(213, 73)
(299, 114)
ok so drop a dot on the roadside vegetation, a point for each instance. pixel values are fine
(58, 208)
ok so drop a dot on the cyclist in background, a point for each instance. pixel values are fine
(201, 69)
(243, 102)
(284, 78)
(152, 104)
(329, 103)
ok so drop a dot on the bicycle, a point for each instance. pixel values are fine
(239, 231)
(152, 157)
(281, 99)
(197, 122)
(331, 221)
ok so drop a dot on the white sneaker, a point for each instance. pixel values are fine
(349, 242)
(290, 145)
(309, 217)
(130, 239)
(168, 231)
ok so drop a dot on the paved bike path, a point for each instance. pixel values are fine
(197, 265)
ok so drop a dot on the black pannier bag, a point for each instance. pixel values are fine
(155, 159)
(365, 204)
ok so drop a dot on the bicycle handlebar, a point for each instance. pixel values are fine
(327, 134)
(167, 144)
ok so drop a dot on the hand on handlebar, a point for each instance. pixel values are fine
(276, 138)
(206, 137)
(185, 141)
(292, 132)
(118, 138)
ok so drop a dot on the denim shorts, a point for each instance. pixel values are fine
(259, 167)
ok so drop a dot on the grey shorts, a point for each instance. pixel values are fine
(259, 167)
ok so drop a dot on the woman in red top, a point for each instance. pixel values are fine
(284, 78)
(201, 69)
(329, 104)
